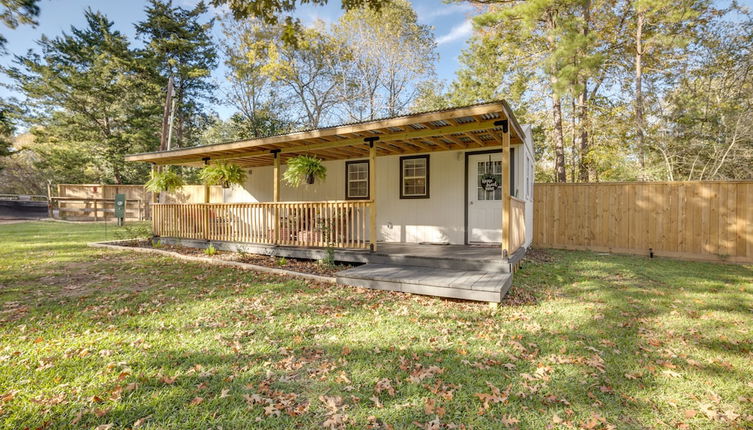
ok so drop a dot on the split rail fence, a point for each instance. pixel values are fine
(690, 220)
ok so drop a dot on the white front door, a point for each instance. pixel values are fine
(485, 198)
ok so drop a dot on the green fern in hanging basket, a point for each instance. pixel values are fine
(224, 174)
(304, 168)
(166, 180)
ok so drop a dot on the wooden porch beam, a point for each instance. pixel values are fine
(387, 137)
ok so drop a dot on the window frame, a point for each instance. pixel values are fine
(402, 178)
(368, 178)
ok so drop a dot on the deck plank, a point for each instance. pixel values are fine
(462, 284)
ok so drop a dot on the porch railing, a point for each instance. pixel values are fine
(517, 223)
(340, 224)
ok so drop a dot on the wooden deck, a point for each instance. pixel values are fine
(457, 271)
(459, 284)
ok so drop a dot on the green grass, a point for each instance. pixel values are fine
(92, 337)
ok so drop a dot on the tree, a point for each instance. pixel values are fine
(279, 12)
(307, 74)
(8, 112)
(707, 125)
(17, 12)
(179, 45)
(391, 56)
(582, 55)
(12, 13)
(89, 103)
(662, 29)
(253, 93)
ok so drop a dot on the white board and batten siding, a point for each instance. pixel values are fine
(437, 219)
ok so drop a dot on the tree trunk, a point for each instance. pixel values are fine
(582, 135)
(582, 113)
(559, 139)
(166, 115)
(639, 127)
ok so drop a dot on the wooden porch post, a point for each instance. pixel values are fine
(206, 187)
(506, 234)
(372, 192)
(154, 195)
(276, 194)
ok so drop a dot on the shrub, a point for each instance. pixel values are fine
(134, 231)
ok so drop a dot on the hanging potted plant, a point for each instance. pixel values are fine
(165, 180)
(225, 174)
(304, 168)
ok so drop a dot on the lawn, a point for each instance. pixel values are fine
(93, 338)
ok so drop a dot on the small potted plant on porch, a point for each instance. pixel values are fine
(221, 173)
(304, 168)
(165, 180)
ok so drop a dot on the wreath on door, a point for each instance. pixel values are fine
(489, 182)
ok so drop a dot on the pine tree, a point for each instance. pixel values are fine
(179, 45)
(89, 103)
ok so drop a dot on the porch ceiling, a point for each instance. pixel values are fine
(449, 129)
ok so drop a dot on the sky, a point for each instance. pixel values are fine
(451, 23)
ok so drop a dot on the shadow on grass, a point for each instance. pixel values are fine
(580, 337)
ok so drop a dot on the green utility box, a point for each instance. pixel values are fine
(120, 207)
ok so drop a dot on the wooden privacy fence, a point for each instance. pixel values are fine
(193, 194)
(341, 224)
(692, 220)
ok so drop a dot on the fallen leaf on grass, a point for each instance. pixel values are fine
(77, 418)
(496, 396)
(376, 401)
(140, 422)
(509, 421)
(271, 410)
(100, 412)
(196, 401)
(384, 385)
(167, 380)
(431, 408)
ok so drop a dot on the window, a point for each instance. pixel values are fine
(489, 172)
(414, 177)
(356, 180)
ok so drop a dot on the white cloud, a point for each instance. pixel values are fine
(458, 32)
(429, 14)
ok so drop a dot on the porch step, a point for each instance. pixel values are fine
(450, 262)
(431, 281)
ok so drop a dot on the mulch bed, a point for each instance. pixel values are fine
(293, 264)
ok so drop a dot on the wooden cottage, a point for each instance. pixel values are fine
(436, 203)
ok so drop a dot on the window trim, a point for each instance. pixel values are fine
(428, 189)
(368, 178)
